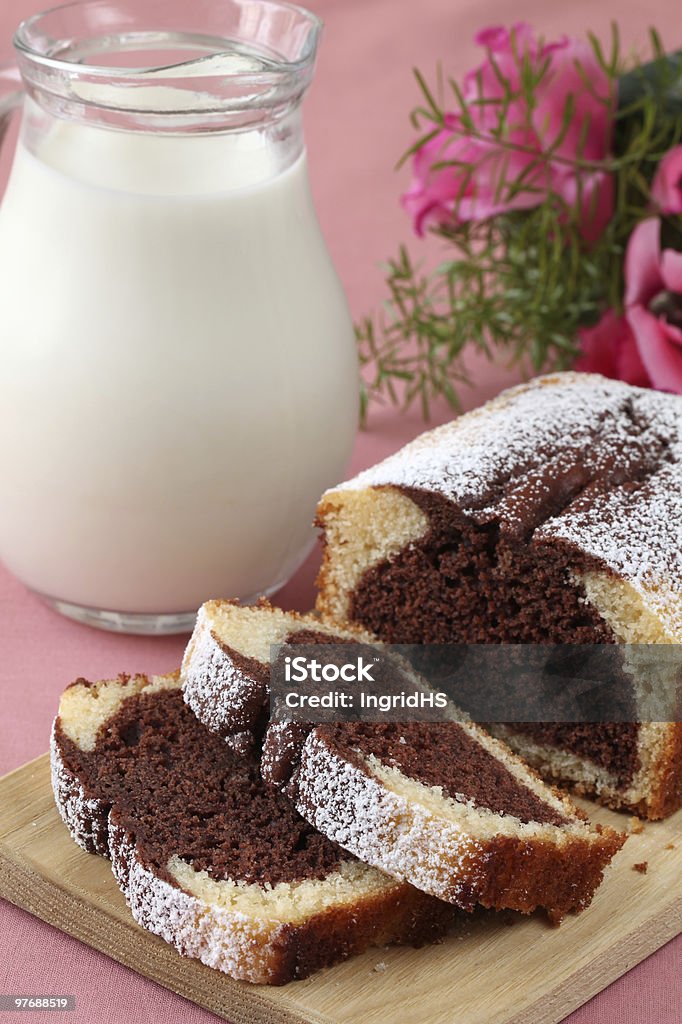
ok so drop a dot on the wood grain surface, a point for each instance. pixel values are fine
(493, 968)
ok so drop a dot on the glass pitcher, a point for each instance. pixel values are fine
(178, 374)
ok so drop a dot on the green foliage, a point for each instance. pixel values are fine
(519, 285)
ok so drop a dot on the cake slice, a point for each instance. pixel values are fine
(553, 514)
(442, 805)
(208, 857)
(226, 667)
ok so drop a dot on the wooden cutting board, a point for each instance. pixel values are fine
(493, 969)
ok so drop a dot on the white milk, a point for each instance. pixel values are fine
(178, 376)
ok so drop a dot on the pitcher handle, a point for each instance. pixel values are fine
(11, 95)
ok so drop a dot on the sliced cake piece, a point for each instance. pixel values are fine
(553, 514)
(442, 805)
(209, 857)
(226, 666)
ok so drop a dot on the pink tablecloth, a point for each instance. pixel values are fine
(356, 128)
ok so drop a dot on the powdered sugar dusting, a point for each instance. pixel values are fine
(242, 743)
(243, 947)
(281, 750)
(437, 853)
(354, 809)
(483, 460)
(85, 817)
(219, 694)
(638, 535)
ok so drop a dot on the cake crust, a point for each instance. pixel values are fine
(665, 795)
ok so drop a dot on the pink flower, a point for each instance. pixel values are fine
(610, 348)
(653, 304)
(666, 190)
(436, 190)
(481, 175)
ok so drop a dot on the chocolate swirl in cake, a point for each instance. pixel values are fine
(183, 792)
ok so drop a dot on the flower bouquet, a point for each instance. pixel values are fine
(552, 173)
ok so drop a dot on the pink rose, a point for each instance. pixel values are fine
(666, 190)
(436, 190)
(653, 304)
(610, 348)
(439, 195)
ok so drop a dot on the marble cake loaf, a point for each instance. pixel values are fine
(553, 514)
(442, 805)
(207, 856)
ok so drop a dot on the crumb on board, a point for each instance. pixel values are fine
(636, 826)
(642, 867)
(380, 967)
(670, 846)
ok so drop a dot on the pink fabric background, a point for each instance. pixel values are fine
(356, 129)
